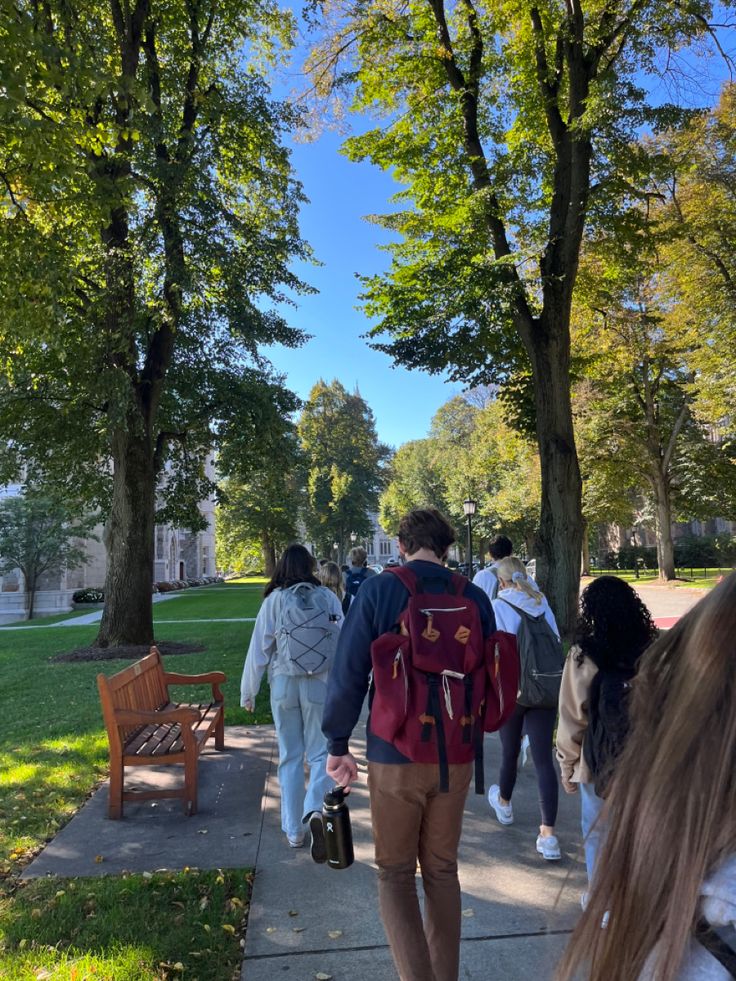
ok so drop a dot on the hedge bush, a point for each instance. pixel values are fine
(88, 595)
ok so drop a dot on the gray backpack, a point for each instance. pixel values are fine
(307, 630)
(541, 661)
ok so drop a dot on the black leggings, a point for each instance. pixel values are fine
(540, 726)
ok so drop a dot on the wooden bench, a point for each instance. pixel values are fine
(145, 728)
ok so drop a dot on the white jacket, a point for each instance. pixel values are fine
(262, 650)
(508, 619)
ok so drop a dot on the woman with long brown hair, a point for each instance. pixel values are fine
(666, 873)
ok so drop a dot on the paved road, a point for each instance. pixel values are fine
(667, 603)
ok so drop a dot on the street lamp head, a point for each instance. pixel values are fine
(336, 545)
(469, 506)
(353, 537)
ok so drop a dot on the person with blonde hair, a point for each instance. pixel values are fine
(521, 607)
(330, 575)
(666, 872)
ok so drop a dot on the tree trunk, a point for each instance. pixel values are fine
(586, 549)
(269, 554)
(665, 545)
(128, 615)
(560, 537)
(30, 597)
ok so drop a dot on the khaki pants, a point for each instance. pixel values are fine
(413, 821)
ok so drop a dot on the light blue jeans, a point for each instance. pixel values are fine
(593, 831)
(297, 705)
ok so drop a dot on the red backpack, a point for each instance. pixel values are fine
(438, 685)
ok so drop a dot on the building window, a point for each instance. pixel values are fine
(384, 548)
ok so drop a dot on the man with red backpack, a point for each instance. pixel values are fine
(441, 675)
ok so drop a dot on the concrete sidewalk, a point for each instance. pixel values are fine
(305, 919)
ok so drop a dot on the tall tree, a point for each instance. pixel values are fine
(698, 206)
(41, 535)
(470, 450)
(262, 501)
(508, 123)
(639, 405)
(416, 480)
(148, 218)
(345, 464)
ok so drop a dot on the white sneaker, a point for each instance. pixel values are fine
(295, 841)
(504, 812)
(549, 848)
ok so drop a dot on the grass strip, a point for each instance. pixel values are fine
(164, 925)
(53, 746)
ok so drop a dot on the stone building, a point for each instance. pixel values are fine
(178, 554)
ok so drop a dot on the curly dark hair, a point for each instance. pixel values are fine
(615, 627)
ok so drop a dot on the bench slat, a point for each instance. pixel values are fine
(143, 687)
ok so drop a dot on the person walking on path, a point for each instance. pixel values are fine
(520, 601)
(612, 633)
(355, 575)
(487, 579)
(330, 576)
(666, 871)
(412, 819)
(295, 638)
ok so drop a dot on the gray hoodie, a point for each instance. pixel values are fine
(718, 907)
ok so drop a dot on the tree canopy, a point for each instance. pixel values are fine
(143, 168)
(345, 465)
(509, 126)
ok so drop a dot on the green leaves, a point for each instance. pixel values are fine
(345, 464)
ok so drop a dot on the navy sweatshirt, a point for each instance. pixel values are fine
(375, 610)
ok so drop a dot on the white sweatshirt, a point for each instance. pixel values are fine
(508, 619)
(262, 650)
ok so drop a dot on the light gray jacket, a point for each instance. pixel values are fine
(718, 906)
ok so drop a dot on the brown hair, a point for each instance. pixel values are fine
(295, 565)
(671, 813)
(329, 575)
(426, 528)
(357, 555)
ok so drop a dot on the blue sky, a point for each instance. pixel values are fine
(341, 193)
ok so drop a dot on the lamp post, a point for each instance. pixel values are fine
(353, 538)
(469, 506)
(336, 546)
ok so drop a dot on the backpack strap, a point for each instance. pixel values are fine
(716, 946)
(456, 584)
(405, 575)
(522, 613)
(433, 719)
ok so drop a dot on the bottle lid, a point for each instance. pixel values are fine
(335, 797)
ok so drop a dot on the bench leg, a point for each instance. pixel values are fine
(190, 786)
(220, 732)
(115, 804)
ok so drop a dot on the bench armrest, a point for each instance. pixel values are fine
(134, 717)
(214, 678)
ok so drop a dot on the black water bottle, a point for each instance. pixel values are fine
(338, 833)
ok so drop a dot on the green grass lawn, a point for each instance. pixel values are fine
(53, 752)
(686, 580)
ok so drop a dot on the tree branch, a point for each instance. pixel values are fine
(524, 319)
